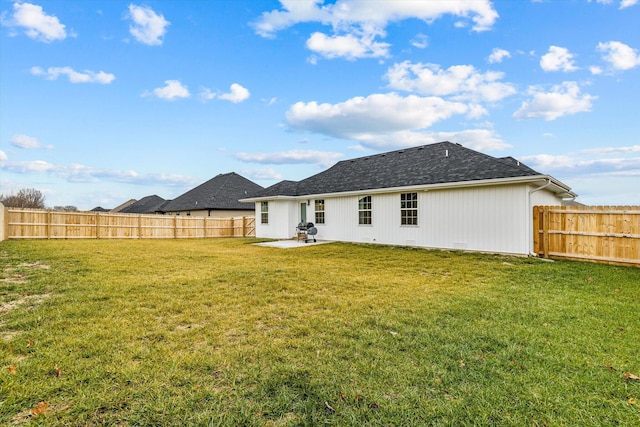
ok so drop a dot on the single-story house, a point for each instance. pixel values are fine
(440, 195)
(146, 205)
(218, 197)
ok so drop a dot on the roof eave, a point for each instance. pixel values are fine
(560, 188)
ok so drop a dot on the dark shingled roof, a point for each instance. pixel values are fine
(443, 162)
(149, 204)
(222, 192)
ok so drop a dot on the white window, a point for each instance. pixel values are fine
(409, 208)
(319, 208)
(364, 210)
(264, 212)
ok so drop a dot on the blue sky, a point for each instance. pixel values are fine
(105, 101)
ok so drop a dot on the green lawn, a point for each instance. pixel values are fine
(223, 332)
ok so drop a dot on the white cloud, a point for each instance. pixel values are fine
(206, 94)
(558, 59)
(83, 173)
(325, 158)
(564, 99)
(462, 82)
(623, 3)
(577, 166)
(237, 93)
(498, 55)
(477, 139)
(619, 55)
(262, 174)
(171, 91)
(27, 142)
(593, 172)
(347, 13)
(610, 150)
(377, 113)
(595, 70)
(356, 24)
(389, 121)
(420, 41)
(3, 156)
(348, 46)
(148, 27)
(87, 76)
(23, 167)
(36, 23)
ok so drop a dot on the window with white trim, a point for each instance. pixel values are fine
(409, 208)
(364, 210)
(264, 212)
(319, 208)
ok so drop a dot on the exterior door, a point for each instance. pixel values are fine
(303, 213)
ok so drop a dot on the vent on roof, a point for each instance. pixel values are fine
(446, 153)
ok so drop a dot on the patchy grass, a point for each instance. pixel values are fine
(222, 332)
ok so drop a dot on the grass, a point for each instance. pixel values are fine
(222, 332)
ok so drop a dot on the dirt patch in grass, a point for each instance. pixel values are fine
(30, 301)
(36, 264)
(18, 274)
(42, 409)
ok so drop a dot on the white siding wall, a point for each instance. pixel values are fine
(489, 219)
(492, 219)
(283, 216)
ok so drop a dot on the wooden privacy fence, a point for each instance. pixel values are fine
(609, 234)
(47, 224)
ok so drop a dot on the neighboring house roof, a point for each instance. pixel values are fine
(222, 192)
(99, 209)
(438, 163)
(149, 204)
(572, 203)
(124, 205)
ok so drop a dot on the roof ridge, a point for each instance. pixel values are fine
(399, 151)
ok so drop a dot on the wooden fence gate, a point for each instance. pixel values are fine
(607, 234)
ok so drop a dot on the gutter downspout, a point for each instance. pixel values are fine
(530, 216)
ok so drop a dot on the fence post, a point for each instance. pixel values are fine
(4, 223)
(97, 225)
(244, 226)
(48, 224)
(175, 226)
(545, 231)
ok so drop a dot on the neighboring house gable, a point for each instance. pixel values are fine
(217, 197)
(124, 205)
(146, 205)
(440, 195)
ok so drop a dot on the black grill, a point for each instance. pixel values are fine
(306, 231)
